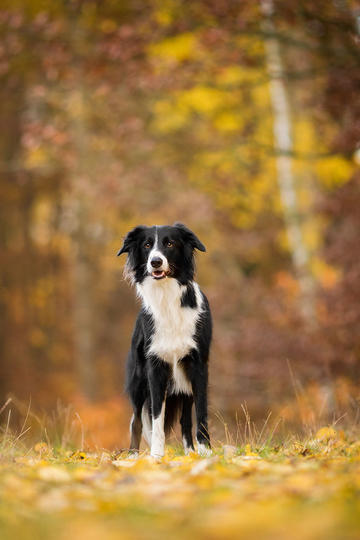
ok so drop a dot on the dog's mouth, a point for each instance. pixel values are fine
(159, 274)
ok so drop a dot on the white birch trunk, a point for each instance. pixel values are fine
(285, 176)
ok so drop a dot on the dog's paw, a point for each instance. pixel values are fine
(203, 450)
(156, 458)
(133, 454)
(187, 449)
(157, 451)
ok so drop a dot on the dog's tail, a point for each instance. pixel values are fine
(173, 407)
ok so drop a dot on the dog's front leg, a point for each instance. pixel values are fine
(158, 376)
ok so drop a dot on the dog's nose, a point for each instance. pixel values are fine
(156, 262)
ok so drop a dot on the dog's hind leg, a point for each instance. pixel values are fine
(138, 397)
(199, 385)
(146, 423)
(186, 424)
(197, 372)
(135, 432)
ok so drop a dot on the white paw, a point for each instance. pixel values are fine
(187, 449)
(156, 457)
(157, 451)
(203, 450)
(133, 455)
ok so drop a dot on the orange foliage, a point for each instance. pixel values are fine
(105, 424)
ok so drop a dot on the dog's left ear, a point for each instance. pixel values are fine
(190, 236)
(130, 238)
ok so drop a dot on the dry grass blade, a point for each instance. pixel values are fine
(5, 404)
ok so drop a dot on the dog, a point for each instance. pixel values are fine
(167, 366)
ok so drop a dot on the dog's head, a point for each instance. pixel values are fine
(161, 252)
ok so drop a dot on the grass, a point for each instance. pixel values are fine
(251, 487)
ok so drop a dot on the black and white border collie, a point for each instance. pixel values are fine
(167, 366)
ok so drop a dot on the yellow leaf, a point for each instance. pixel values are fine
(334, 171)
(203, 99)
(326, 274)
(41, 448)
(178, 48)
(248, 451)
(227, 121)
(78, 455)
(326, 434)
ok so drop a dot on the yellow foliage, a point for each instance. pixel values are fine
(311, 231)
(303, 487)
(326, 274)
(166, 11)
(227, 121)
(108, 25)
(78, 455)
(163, 17)
(248, 451)
(242, 178)
(41, 448)
(203, 99)
(41, 230)
(261, 99)
(177, 48)
(325, 434)
(51, 473)
(37, 157)
(235, 74)
(252, 45)
(169, 117)
(304, 136)
(334, 171)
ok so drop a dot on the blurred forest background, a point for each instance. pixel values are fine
(239, 118)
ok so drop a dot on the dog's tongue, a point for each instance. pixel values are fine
(158, 273)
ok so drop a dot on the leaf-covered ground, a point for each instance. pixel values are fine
(299, 490)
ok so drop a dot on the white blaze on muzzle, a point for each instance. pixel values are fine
(158, 270)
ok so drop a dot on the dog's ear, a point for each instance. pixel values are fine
(190, 237)
(130, 238)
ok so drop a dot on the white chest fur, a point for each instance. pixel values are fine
(174, 325)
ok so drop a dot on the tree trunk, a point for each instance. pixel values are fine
(83, 310)
(83, 270)
(285, 176)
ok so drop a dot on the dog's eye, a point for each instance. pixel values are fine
(169, 244)
(147, 245)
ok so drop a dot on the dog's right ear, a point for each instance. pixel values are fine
(130, 238)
